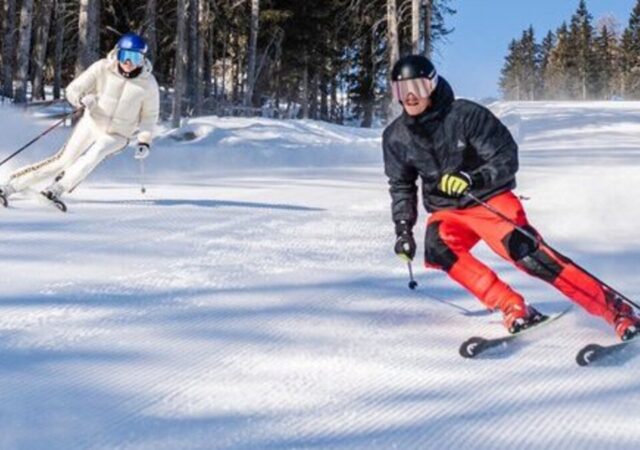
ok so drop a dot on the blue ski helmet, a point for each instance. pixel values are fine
(133, 42)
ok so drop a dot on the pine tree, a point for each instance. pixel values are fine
(544, 58)
(605, 85)
(581, 60)
(631, 55)
(520, 74)
(529, 54)
(556, 74)
(511, 79)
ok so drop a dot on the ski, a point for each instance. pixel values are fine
(474, 346)
(596, 352)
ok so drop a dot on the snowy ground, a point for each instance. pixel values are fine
(251, 299)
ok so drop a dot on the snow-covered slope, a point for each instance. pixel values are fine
(251, 299)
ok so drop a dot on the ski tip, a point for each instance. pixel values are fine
(588, 355)
(60, 205)
(471, 347)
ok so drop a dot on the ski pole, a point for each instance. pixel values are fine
(142, 188)
(538, 240)
(412, 283)
(48, 130)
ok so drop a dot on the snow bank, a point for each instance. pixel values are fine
(212, 144)
(217, 143)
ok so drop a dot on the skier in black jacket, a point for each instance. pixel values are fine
(458, 147)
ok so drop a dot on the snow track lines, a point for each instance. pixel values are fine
(266, 310)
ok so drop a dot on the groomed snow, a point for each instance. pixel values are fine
(251, 299)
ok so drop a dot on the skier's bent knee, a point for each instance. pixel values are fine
(530, 256)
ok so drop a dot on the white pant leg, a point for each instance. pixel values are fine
(80, 139)
(105, 145)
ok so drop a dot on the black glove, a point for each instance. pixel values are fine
(455, 184)
(405, 246)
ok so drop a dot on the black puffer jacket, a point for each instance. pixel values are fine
(451, 135)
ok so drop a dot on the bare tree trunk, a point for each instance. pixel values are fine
(59, 40)
(368, 82)
(40, 51)
(305, 87)
(253, 44)
(392, 32)
(24, 51)
(313, 113)
(150, 28)
(428, 14)
(278, 69)
(236, 73)
(180, 63)
(225, 48)
(334, 99)
(324, 93)
(394, 47)
(415, 26)
(200, 44)
(8, 49)
(192, 44)
(88, 34)
(209, 38)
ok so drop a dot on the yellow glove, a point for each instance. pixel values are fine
(455, 184)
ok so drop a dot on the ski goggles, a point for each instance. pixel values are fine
(420, 87)
(136, 58)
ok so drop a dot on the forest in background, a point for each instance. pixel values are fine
(327, 59)
(582, 60)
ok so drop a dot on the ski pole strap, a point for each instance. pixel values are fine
(48, 130)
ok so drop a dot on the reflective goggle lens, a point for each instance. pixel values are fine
(136, 58)
(420, 87)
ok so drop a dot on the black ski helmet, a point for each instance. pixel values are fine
(413, 66)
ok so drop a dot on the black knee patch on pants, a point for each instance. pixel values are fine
(436, 252)
(518, 244)
(541, 265)
(528, 255)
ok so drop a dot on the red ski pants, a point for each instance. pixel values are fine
(451, 234)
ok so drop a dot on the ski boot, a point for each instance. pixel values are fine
(518, 317)
(627, 327)
(52, 193)
(625, 322)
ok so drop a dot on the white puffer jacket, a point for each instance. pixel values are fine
(124, 104)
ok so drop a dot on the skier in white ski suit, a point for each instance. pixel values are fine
(119, 95)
